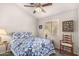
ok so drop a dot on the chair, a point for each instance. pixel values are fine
(66, 45)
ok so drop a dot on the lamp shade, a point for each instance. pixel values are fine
(3, 32)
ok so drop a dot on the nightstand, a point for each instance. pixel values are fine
(3, 47)
(6, 45)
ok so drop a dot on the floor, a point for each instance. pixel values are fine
(7, 54)
(57, 54)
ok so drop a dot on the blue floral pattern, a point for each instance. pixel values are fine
(27, 45)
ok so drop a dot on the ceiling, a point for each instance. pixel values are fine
(50, 10)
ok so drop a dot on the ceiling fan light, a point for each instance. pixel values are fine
(38, 9)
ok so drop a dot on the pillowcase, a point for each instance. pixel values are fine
(20, 35)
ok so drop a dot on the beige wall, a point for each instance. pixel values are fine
(78, 29)
(13, 18)
(65, 15)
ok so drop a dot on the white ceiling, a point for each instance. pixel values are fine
(50, 10)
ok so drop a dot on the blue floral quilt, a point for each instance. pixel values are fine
(24, 44)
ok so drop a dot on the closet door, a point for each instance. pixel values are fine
(54, 29)
(48, 30)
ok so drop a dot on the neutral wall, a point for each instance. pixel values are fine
(78, 29)
(63, 16)
(12, 18)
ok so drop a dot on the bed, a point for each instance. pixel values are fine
(24, 44)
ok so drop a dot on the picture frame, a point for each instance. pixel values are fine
(67, 26)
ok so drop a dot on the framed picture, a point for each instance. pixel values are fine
(40, 26)
(67, 26)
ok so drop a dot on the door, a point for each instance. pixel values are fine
(50, 29)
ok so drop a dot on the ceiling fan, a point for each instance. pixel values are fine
(38, 6)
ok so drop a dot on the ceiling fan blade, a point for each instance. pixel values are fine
(48, 4)
(28, 6)
(31, 3)
(42, 9)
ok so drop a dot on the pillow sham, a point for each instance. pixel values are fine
(21, 35)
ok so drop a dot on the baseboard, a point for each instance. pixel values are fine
(73, 53)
